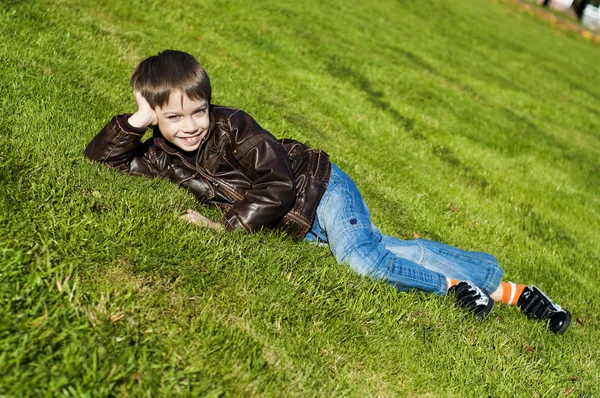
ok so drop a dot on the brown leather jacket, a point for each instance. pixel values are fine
(257, 180)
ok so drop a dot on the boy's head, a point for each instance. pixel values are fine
(156, 77)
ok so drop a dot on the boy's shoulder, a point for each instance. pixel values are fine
(232, 118)
(223, 113)
(238, 125)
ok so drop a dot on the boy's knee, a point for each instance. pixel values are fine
(365, 258)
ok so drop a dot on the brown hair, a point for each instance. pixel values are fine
(171, 70)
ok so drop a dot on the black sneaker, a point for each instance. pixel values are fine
(536, 305)
(472, 298)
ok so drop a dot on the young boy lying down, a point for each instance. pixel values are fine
(225, 157)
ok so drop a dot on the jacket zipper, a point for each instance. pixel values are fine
(231, 192)
(210, 178)
(298, 219)
(216, 183)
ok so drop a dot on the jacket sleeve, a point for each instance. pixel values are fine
(119, 145)
(273, 192)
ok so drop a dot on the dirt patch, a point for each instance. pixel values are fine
(557, 22)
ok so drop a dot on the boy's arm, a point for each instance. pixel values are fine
(273, 190)
(119, 145)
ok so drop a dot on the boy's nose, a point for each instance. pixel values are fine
(190, 125)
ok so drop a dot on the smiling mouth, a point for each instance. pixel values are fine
(191, 140)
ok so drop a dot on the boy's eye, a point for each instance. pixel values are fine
(201, 111)
(173, 117)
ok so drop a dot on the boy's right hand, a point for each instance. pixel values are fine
(145, 116)
(194, 217)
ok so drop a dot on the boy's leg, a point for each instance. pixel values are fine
(344, 221)
(484, 271)
(460, 265)
(472, 269)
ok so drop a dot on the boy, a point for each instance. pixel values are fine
(224, 157)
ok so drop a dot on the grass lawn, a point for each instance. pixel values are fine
(468, 122)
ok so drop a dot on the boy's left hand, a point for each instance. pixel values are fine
(194, 217)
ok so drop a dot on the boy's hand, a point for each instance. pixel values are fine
(198, 219)
(145, 116)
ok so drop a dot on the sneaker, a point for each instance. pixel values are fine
(471, 298)
(536, 305)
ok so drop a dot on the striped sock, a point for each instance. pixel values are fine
(511, 292)
(451, 282)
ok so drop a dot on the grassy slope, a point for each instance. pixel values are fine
(473, 124)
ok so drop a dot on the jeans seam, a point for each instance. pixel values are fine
(461, 257)
(423, 254)
(413, 278)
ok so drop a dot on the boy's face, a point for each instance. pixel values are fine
(183, 122)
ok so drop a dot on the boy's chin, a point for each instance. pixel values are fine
(185, 147)
(188, 148)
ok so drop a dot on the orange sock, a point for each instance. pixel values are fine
(511, 292)
(451, 282)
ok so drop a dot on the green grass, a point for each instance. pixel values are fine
(467, 122)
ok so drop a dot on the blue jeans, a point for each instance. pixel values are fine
(343, 221)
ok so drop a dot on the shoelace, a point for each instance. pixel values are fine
(537, 306)
(482, 299)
